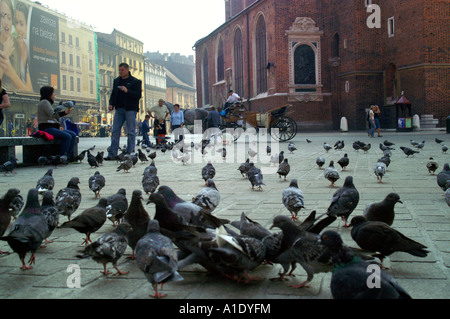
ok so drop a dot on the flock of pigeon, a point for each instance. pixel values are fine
(182, 232)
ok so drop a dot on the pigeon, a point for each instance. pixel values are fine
(50, 213)
(432, 166)
(80, 157)
(304, 248)
(64, 160)
(444, 149)
(387, 143)
(280, 157)
(152, 155)
(381, 238)
(16, 206)
(291, 147)
(408, 152)
(331, 174)
(157, 258)
(54, 160)
(366, 148)
(385, 160)
(420, 145)
(151, 169)
(117, 206)
(383, 211)
(308, 141)
(438, 140)
(9, 166)
(268, 150)
(126, 164)
(138, 219)
(64, 106)
(207, 198)
(28, 231)
(68, 199)
(413, 143)
(350, 275)
(250, 228)
(46, 182)
(327, 146)
(344, 200)
(357, 145)
(320, 161)
(150, 183)
(244, 167)
(100, 157)
(255, 177)
(293, 199)
(443, 177)
(5, 215)
(208, 172)
(385, 148)
(96, 183)
(344, 161)
(109, 247)
(284, 169)
(142, 157)
(89, 221)
(447, 194)
(42, 161)
(379, 170)
(339, 145)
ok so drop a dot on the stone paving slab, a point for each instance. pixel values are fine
(424, 216)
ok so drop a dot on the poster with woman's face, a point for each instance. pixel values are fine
(29, 46)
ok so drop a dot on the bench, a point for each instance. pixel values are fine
(32, 148)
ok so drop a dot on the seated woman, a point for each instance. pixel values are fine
(48, 121)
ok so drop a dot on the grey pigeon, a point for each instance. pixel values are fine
(366, 148)
(381, 238)
(350, 276)
(80, 157)
(151, 169)
(55, 160)
(343, 162)
(268, 150)
(408, 152)
(432, 166)
(16, 206)
(438, 140)
(413, 143)
(28, 231)
(117, 206)
(89, 221)
(126, 164)
(96, 183)
(208, 172)
(356, 145)
(383, 211)
(92, 160)
(444, 149)
(142, 157)
(9, 166)
(150, 182)
(255, 177)
(100, 157)
(331, 174)
(344, 200)
(64, 106)
(5, 216)
(293, 199)
(291, 147)
(284, 169)
(138, 218)
(447, 194)
(248, 227)
(420, 145)
(208, 198)
(386, 160)
(339, 145)
(109, 247)
(46, 182)
(320, 161)
(443, 177)
(281, 157)
(244, 167)
(50, 213)
(326, 146)
(64, 160)
(387, 143)
(42, 161)
(68, 199)
(379, 170)
(157, 258)
(308, 141)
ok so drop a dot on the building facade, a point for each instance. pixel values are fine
(155, 83)
(328, 59)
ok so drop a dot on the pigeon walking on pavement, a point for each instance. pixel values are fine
(208, 198)
(408, 152)
(9, 166)
(331, 174)
(28, 231)
(5, 215)
(255, 177)
(432, 166)
(344, 201)
(443, 177)
(293, 199)
(208, 172)
(96, 183)
(68, 199)
(284, 169)
(343, 162)
(46, 182)
(117, 206)
(383, 211)
(50, 213)
(320, 161)
(379, 170)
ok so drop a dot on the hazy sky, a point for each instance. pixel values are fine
(163, 25)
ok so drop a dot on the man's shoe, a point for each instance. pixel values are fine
(108, 158)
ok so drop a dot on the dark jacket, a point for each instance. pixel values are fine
(131, 98)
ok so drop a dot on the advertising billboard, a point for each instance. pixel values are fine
(29, 47)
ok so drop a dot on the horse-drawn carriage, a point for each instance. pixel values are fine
(279, 125)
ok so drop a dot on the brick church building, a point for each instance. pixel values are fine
(329, 59)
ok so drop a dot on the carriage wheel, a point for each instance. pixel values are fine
(287, 129)
(236, 131)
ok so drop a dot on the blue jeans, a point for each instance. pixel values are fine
(68, 139)
(372, 128)
(122, 117)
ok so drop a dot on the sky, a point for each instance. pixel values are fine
(167, 26)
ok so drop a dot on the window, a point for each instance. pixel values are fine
(77, 42)
(238, 63)
(70, 39)
(63, 57)
(78, 85)
(64, 82)
(205, 78)
(78, 62)
(261, 56)
(72, 84)
(220, 61)
(391, 27)
(63, 37)
(90, 46)
(91, 86)
(71, 59)
(335, 46)
(90, 65)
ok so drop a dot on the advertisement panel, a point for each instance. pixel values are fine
(29, 47)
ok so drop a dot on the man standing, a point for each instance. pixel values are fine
(125, 97)
(159, 113)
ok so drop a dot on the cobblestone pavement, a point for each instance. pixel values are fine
(423, 216)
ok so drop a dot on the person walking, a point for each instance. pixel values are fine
(213, 121)
(371, 121)
(145, 130)
(125, 97)
(159, 113)
(4, 102)
(48, 121)
(177, 122)
(376, 115)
